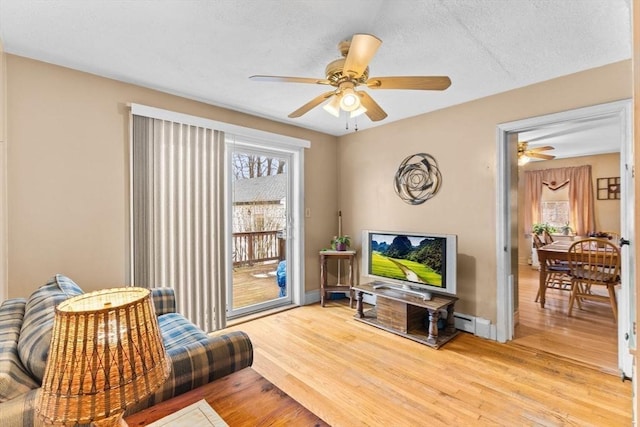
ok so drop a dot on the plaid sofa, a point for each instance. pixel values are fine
(25, 336)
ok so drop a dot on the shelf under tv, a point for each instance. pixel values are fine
(425, 295)
(404, 314)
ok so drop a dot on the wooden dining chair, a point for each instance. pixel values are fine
(557, 273)
(537, 241)
(593, 263)
(548, 238)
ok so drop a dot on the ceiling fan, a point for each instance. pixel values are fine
(525, 153)
(349, 72)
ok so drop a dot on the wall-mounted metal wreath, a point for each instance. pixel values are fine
(417, 179)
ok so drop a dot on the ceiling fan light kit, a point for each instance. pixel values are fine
(523, 160)
(333, 106)
(352, 70)
(349, 100)
(525, 154)
(358, 112)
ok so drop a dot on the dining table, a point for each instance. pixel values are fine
(557, 250)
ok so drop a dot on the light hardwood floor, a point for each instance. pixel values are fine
(352, 374)
(589, 336)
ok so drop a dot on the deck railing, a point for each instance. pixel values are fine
(257, 246)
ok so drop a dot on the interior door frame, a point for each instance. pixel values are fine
(505, 303)
(4, 273)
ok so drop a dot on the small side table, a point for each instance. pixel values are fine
(325, 289)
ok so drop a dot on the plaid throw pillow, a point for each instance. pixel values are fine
(14, 378)
(35, 335)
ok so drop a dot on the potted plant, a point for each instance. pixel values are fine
(540, 227)
(565, 229)
(341, 243)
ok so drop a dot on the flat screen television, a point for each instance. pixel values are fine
(414, 262)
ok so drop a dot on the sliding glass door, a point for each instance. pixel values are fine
(258, 227)
(216, 213)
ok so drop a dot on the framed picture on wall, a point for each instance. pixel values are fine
(609, 188)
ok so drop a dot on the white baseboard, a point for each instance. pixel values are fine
(464, 322)
(485, 329)
(311, 297)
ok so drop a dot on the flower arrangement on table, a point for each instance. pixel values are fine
(599, 234)
(340, 243)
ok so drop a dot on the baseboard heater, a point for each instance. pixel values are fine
(464, 322)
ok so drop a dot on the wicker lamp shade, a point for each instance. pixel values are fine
(106, 354)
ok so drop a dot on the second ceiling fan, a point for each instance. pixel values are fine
(525, 153)
(349, 72)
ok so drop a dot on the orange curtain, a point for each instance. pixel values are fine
(581, 203)
(532, 195)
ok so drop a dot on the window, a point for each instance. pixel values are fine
(555, 213)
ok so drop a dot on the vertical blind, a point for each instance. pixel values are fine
(178, 215)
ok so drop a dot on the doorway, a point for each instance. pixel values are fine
(260, 209)
(264, 226)
(507, 265)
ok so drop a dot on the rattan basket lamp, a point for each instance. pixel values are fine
(106, 354)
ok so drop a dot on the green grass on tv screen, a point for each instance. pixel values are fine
(401, 268)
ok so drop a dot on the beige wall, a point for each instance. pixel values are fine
(68, 175)
(607, 212)
(463, 140)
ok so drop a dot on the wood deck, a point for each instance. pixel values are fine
(254, 284)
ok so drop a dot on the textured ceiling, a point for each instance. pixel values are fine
(206, 50)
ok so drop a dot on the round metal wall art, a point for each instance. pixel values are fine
(418, 178)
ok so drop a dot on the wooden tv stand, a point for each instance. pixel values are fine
(404, 314)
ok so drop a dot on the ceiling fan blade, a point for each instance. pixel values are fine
(282, 79)
(539, 155)
(362, 49)
(545, 148)
(311, 104)
(410, 82)
(374, 111)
